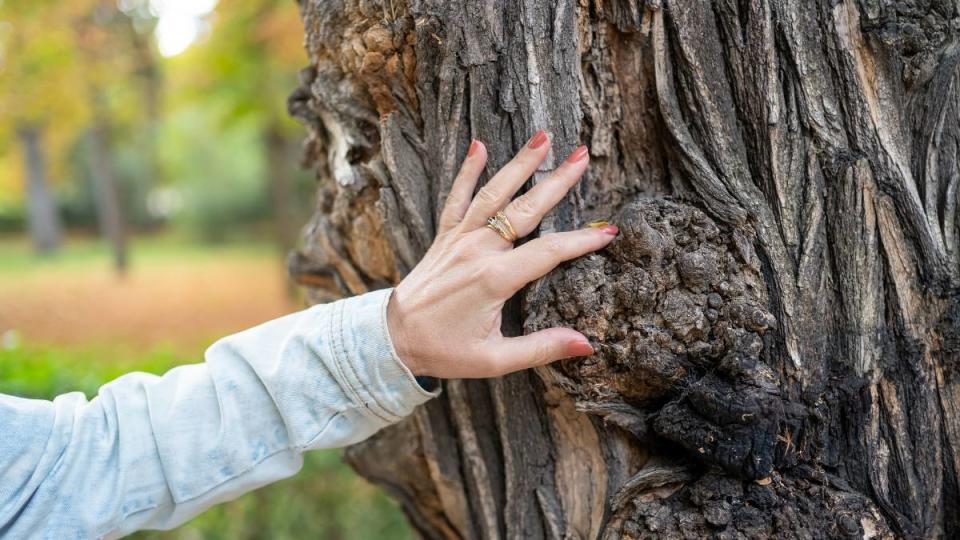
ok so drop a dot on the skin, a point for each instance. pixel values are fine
(444, 317)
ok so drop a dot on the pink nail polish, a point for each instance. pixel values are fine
(538, 139)
(474, 146)
(580, 348)
(578, 154)
(612, 230)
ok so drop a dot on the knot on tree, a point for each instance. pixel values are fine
(923, 33)
(809, 505)
(676, 310)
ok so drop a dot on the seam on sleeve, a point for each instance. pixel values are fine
(231, 477)
(360, 388)
(309, 444)
(393, 351)
(390, 416)
(338, 351)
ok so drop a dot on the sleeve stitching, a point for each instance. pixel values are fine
(338, 350)
(396, 357)
(390, 416)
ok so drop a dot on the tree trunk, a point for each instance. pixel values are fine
(109, 211)
(778, 324)
(43, 218)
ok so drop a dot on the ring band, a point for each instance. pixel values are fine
(502, 226)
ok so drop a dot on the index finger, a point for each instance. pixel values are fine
(496, 193)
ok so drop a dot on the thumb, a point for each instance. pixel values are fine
(539, 348)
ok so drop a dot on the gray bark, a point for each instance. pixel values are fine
(43, 218)
(777, 326)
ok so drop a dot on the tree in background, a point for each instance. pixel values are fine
(73, 83)
(43, 217)
(199, 140)
(254, 53)
(96, 32)
(778, 325)
(39, 105)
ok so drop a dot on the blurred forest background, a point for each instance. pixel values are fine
(149, 191)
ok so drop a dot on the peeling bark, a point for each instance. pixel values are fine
(778, 325)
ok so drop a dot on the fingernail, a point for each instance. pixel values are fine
(580, 348)
(474, 146)
(604, 226)
(538, 139)
(578, 154)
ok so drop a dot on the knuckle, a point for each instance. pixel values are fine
(554, 246)
(489, 359)
(491, 278)
(543, 352)
(464, 252)
(452, 200)
(446, 222)
(444, 236)
(487, 195)
(525, 206)
(493, 281)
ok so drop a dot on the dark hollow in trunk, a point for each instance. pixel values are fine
(777, 326)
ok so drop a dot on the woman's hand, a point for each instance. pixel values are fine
(444, 317)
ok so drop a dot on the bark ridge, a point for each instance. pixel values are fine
(777, 326)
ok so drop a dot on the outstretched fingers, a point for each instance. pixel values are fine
(539, 348)
(540, 255)
(496, 193)
(461, 192)
(526, 211)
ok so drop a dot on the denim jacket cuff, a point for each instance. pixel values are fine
(367, 361)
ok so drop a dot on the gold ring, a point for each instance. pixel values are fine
(502, 226)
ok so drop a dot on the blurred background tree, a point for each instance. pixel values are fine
(150, 138)
(150, 115)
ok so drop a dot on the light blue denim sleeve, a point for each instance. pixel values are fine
(151, 452)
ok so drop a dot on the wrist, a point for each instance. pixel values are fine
(398, 336)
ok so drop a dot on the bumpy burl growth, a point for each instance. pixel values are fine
(675, 308)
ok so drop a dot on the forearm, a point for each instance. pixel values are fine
(151, 452)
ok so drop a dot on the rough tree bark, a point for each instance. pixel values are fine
(778, 325)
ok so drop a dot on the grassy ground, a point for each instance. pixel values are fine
(69, 323)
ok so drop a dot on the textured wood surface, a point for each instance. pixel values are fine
(779, 325)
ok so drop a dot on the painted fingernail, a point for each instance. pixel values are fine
(580, 348)
(474, 146)
(604, 226)
(580, 153)
(538, 139)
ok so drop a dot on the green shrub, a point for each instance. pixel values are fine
(13, 218)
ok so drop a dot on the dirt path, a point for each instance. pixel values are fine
(183, 303)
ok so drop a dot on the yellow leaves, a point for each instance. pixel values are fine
(56, 55)
(11, 188)
(281, 32)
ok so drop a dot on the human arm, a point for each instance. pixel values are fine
(150, 452)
